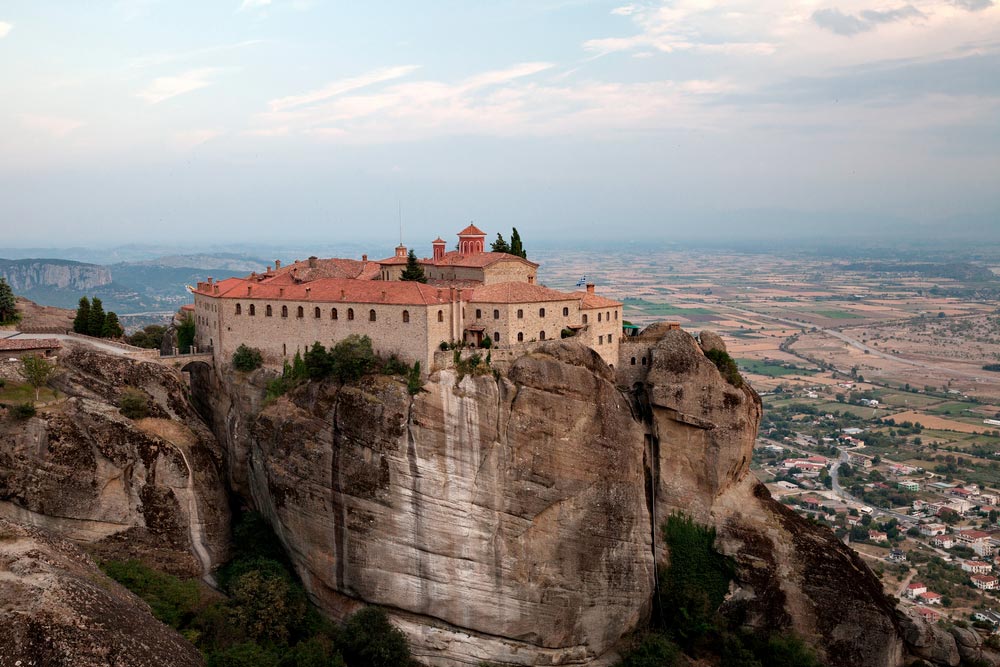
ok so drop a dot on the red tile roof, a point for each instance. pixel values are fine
(22, 344)
(983, 577)
(472, 230)
(333, 267)
(332, 290)
(438, 240)
(479, 259)
(589, 301)
(516, 292)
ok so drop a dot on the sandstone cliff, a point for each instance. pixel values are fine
(59, 610)
(513, 519)
(27, 274)
(149, 488)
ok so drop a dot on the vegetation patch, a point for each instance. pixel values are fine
(772, 369)
(730, 371)
(247, 359)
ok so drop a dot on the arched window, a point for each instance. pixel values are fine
(609, 337)
(350, 313)
(600, 340)
(616, 315)
(541, 335)
(479, 314)
(371, 315)
(565, 312)
(440, 316)
(585, 319)
(520, 314)
(239, 309)
(333, 313)
(496, 314)
(520, 337)
(301, 312)
(316, 313)
(541, 312)
(406, 316)
(496, 336)
(608, 316)
(599, 316)
(267, 311)
(284, 311)
(644, 361)
(253, 310)
(633, 361)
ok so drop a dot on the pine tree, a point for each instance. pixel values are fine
(413, 271)
(8, 304)
(81, 323)
(112, 327)
(515, 245)
(500, 245)
(95, 322)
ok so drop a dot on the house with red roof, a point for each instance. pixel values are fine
(914, 589)
(986, 582)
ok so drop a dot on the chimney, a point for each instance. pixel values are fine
(342, 295)
(308, 290)
(216, 290)
(383, 295)
(439, 293)
(312, 262)
(281, 291)
(210, 280)
(268, 269)
(253, 275)
(277, 264)
(590, 288)
(364, 258)
(249, 288)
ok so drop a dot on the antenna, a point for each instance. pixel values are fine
(399, 204)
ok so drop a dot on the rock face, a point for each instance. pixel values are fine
(26, 274)
(59, 610)
(516, 519)
(148, 487)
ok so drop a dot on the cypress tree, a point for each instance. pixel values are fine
(95, 322)
(500, 245)
(515, 245)
(8, 304)
(81, 323)
(112, 327)
(413, 271)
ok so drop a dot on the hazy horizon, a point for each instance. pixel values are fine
(267, 121)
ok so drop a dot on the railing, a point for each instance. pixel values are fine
(130, 350)
(194, 351)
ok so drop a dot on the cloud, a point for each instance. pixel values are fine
(627, 10)
(252, 4)
(5, 28)
(848, 25)
(973, 5)
(53, 125)
(164, 87)
(342, 86)
(157, 59)
(191, 138)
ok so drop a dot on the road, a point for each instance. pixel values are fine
(839, 490)
(104, 347)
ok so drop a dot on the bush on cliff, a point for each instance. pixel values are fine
(247, 359)
(133, 403)
(730, 371)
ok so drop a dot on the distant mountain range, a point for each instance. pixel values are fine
(136, 287)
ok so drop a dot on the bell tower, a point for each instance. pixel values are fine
(438, 244)
(471, 240)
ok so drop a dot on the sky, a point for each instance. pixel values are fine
(294, 120)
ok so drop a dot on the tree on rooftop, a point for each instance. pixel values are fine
(81, 323)
(8, 305)
(500, 245)
(515, 245)
(413, 271)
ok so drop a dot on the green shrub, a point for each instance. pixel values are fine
(487, 343)
(443, 346)
(133, 403)
(173, 601)
(352, 358)
(247, 359)
(727, 367)
(368, 639)
(243, 655)
(395, 366)
(267, 606)
(654, 650)
(414, 384)
(23, 411)
(317, 361)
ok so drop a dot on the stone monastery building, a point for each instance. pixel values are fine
(470, 294)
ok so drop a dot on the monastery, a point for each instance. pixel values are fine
(470, 294)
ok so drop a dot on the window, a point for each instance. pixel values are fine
(479, 314)
(598, 317)
(608, 316)
(600, 340)
(520, 314)
(644, 361)
(541, 312)
(616, 315)
(406, 316)
(541, 335)
(239, 309)
(350, 313)
(496, 314)
(316, 313)
(440, 316)
(333, 313)
(284, 311)
(300, 313)
(284, 348)
(520, 337)
(496, 336)
(371, 315)
(584, 319)
(633, 361)
(253, 310)
(565, 312)
(609, 337)
(267, 311)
